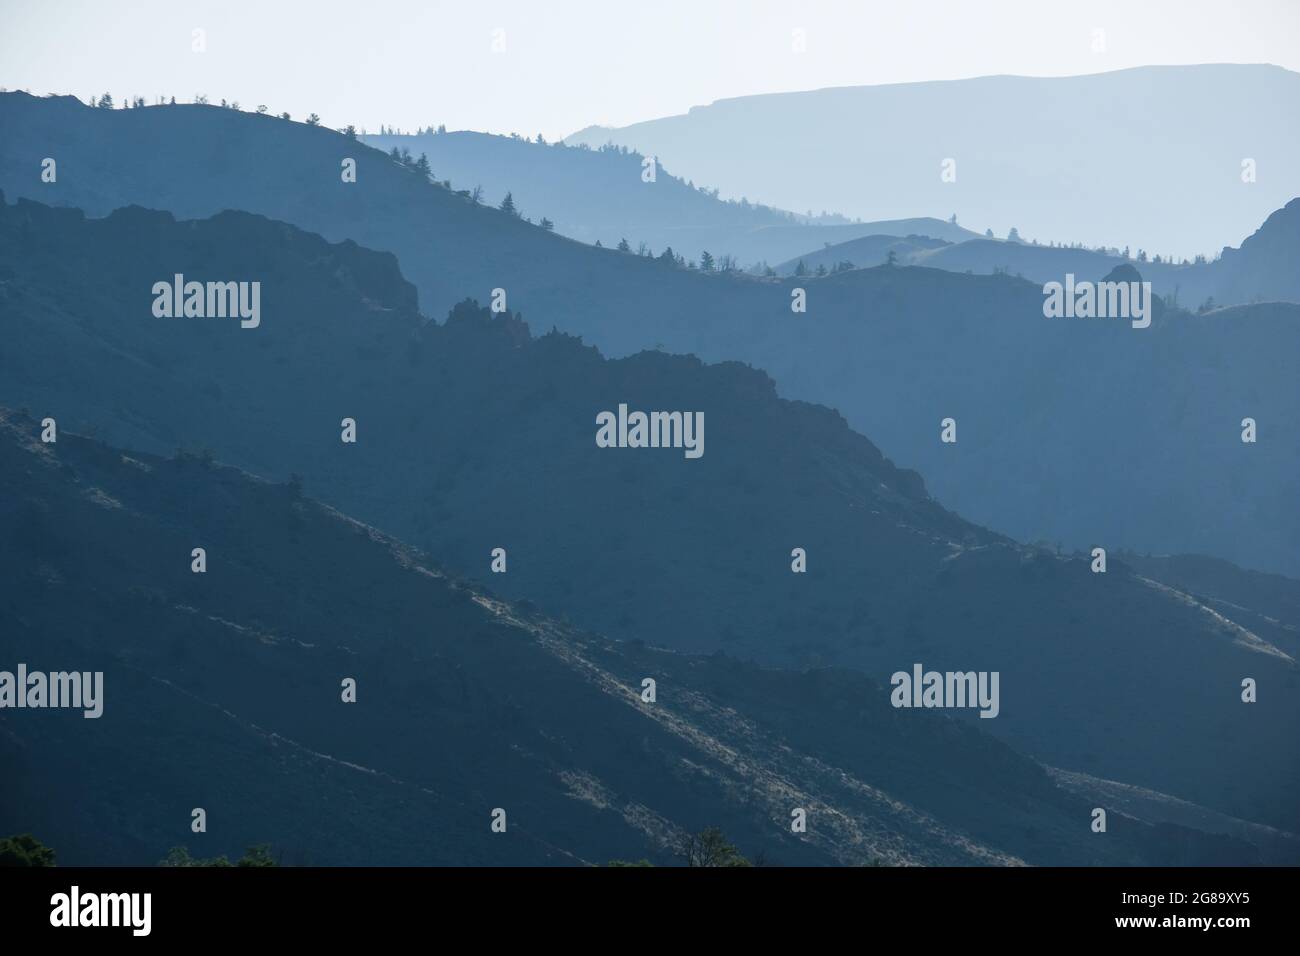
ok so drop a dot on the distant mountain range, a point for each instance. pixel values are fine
(1070, 431)
(1259, 271)
(861, 253)
(1151, 157)
(474, 435)
(602, 195)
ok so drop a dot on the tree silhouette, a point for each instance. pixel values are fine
(709, 848)
(25, 850)
(254, 856)
(508, 205)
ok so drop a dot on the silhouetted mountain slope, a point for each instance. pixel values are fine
(1268, 604)
(222, 691)
(1056, 157)
(775, 243)
(1278, 848)
(1266, 264)
(1119, 418)
(1261, 270)
(602, 195)
(861, 253)
(1043, 263)
(473, 435)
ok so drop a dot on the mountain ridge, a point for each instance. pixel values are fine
(971, 345)
(511, 707)
(901, 133)
(474, 435)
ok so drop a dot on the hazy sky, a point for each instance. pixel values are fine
(570, 64)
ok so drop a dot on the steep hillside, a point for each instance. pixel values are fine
(895, 351)
(1268, 604)
(222, 690)
(1265, 265)
(473, 435)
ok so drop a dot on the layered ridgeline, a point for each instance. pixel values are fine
(1113, 158)
(1078, 431)
(1260, 270)
(602, 195)
(607, 195)
(473, 435)
(224, 691)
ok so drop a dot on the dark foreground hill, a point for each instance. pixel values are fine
(222, 691)
(474, 435)
(1073, 431)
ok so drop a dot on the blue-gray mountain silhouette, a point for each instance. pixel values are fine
(475, 435)
(1080, 432)
(1152, 156)
(599, 195)
(1257, 271)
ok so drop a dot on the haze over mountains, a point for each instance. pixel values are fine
(601, 195)
(474, 435)
(1070, 431)
(1149, 157)
(827, 386)
(1260, 270)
